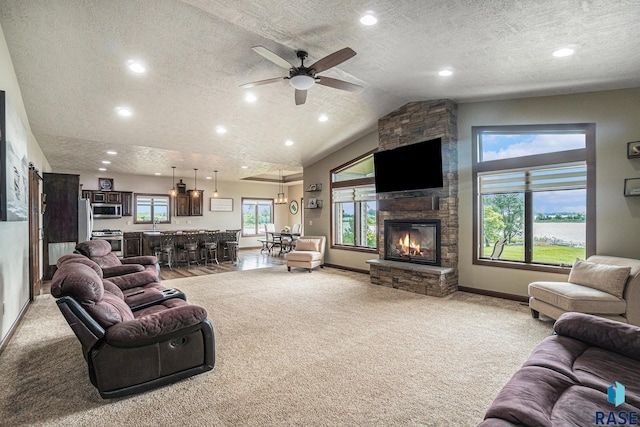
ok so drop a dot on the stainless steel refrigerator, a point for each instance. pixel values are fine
(85, 220)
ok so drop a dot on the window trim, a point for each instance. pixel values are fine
(343, 184)
(587, 154)
(152, 195)
(259, 233)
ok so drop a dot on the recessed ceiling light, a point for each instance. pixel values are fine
(445, 73)
(368, 18)
(221, 130)
(124, 111)
(106, 162)
(111, 152)
(208, 177)
(250, 97)
(244, 167)
(136, 66)
(565, 51)
(288, 142)
(102, 169)
(157, 173)
(323, 118)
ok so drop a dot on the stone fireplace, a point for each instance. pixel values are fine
(416, 122)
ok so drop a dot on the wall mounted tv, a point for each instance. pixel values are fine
(411, 167)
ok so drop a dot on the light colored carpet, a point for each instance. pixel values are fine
(326, 348)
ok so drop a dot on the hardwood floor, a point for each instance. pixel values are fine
(248, 259)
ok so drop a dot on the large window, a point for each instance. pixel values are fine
(255, 214)
(150, 207)
(534, 186)
(353, 205)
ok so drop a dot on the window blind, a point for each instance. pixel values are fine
(354, 194)
(565, 177)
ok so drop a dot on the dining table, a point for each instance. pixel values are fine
(284, 239)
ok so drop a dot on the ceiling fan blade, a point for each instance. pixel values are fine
(334, 59)
(261, 82)
(301, 96)
(337, 84)
(273, 57)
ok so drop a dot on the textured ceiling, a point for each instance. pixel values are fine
(70, 56)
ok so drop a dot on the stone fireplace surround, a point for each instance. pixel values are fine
(412, 123)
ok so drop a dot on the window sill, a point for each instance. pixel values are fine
(523, 266)
(355, 249)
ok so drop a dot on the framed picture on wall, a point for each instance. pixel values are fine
(14, 166)
(293, 207)
(633, 149)
(220, 205)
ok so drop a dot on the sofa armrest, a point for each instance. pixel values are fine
(139, 278)
(608, 334)
(156, 327)
(143, 259)
(121, 270)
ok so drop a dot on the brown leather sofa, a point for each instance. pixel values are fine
(130, 351)
(566, 380)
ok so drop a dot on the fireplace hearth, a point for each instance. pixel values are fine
(415, 241)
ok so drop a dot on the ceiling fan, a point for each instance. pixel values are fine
(303, 78)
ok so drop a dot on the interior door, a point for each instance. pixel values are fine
(35, 279)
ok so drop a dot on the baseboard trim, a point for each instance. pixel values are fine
(13, 327)
(494, 294)
(342, 267)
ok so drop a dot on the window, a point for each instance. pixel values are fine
(255, 214)
(534, 187)
(353, 205)
(152, 206)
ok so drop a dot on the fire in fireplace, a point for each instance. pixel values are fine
(415, 241)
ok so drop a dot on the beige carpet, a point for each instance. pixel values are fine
(326, 348)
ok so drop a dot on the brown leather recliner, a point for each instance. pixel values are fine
(131, 351)
(137, 277)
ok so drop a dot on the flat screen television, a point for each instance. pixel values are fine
(411, 167)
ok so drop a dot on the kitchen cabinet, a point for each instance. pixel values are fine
(132, 244)
(127, 203)
(188, 205)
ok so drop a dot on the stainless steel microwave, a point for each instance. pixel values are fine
(107, 210)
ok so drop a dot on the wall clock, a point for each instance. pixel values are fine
(105, 183)
(293, 207)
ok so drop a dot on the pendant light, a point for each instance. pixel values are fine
(173, 191)
(215, 192)
(195, 183)
(280, 198)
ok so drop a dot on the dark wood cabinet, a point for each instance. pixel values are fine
(114, 197)
(127, 203)
(60, 219)
(132, 244)
(195, 202)
(182, 205)
(86, 194)
(98, 197)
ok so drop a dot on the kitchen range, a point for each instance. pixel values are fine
(114, 237)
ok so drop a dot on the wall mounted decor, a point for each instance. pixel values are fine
(633, 149)
(105, 184)
(631, 187)
(14, 166)
(220, 205)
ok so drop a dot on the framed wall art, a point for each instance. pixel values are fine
(633, 149)
(220, 205)
(14, 166)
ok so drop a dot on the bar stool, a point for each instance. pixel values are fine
(210, 246)
(164, 251)
(231, 245)
(188, 251)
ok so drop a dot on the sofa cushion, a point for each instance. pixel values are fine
(92, 248)
(79, 281)
(573, 297)
(607, 278)
(306, 256)
(308, 245)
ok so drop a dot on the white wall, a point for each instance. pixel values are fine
(616, 115)
(209, 220)
(14, 252)
(317, 221)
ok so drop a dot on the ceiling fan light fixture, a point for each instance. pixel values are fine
(302, 82)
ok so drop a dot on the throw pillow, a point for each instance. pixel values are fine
(607, 278)
(308, 245)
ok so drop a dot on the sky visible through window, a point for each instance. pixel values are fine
(504, 146)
